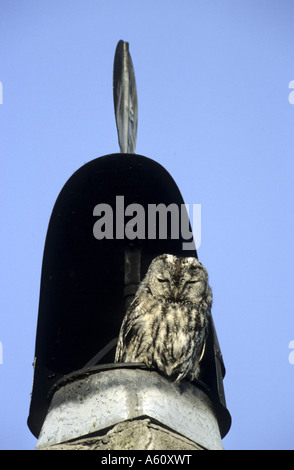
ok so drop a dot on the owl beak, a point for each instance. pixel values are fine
(176, 293)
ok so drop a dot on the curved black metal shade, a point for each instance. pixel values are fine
(83, 282)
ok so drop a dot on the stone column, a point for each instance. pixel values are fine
(129, 409)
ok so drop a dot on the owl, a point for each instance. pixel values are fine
(166, 325)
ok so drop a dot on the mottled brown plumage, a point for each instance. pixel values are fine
(166, 324)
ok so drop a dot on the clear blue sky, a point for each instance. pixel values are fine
(214, 110)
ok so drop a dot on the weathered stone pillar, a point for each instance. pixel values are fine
(129, 409)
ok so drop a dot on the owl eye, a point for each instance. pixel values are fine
(160, 279)
(192, 282)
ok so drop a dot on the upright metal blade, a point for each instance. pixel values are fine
(125, 98)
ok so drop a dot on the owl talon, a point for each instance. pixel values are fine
(148, 363)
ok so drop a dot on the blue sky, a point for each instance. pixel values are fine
(213, 89)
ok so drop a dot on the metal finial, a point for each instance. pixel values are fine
(125, 98)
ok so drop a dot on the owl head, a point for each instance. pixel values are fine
(177, 279)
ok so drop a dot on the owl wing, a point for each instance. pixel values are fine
(126, 330)
(196, 343)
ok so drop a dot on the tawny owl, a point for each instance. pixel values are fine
(166, 324)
